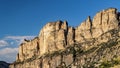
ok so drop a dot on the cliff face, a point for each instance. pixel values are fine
(61, 46)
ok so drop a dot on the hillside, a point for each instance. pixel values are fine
(4, 64)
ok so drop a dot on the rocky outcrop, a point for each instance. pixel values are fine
(61, 46)
(84, 31)
(104, 21)
(53, 37)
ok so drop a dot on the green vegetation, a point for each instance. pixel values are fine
(108, 64)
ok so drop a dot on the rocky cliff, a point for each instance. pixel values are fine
(95, 43)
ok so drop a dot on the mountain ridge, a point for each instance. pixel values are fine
(4, 64)
(61, 46)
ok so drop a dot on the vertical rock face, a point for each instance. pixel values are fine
(53, 37)
(28, 49)
(83, 31)
(104, 21)
(71, 36)
(59, 45)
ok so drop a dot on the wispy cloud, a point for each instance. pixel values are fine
(8, 54)
(3, 43)
(6, 51)
(19, 39)
(11, 43)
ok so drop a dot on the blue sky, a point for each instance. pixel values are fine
(21, 19)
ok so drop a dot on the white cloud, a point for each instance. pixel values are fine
(8, 51)
(3, 43)
(8, 54)
(19, 39)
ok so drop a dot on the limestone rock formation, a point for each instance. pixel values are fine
(58, 45)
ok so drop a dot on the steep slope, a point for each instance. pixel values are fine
(95, 43)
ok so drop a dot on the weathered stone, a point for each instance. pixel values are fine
(71, 36)
(83, 31)
(104, 21)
